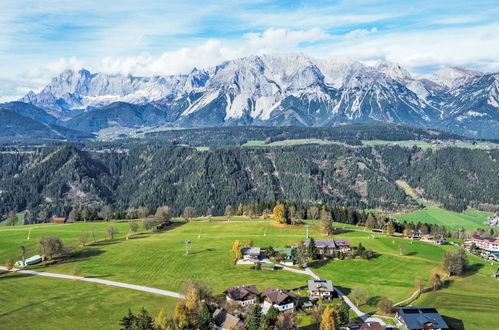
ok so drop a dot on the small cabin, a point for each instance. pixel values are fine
(59, 220)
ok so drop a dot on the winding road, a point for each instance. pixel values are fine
(100, 281)
(306, 271)
(309, 272)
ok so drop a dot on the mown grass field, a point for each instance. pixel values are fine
(471, 219)
(426, 145)
(158, 260)
(36, 302)
(290, 142)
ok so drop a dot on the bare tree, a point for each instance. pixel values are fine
(50, 246)
(106, 212)
(111, 231)
(163, 214)
(132, 228)
(189, 213)
(83, 238)
(313, 213)
(94, 233)
(229, 212)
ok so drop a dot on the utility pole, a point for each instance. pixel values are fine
(187, 242)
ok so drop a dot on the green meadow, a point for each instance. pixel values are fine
(159, 260)
(36, 302)
(470, 219)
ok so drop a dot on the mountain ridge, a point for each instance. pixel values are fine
(290, 89)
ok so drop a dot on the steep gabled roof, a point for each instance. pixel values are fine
(244, 292)
(278, 296)
(225, 320)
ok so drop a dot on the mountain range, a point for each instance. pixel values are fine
(273, 90)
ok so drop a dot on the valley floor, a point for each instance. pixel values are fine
(158, 260)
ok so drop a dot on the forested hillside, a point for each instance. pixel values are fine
(55, 179)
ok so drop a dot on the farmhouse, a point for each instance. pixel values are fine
(436, 239)
(286, 254)
(282, 300)
(226, 321)
(59, 220)
(416, 234)
(485, 243)
(416, 318)
(329, 246)
(320, 289)
(251, 253)
(243, 295)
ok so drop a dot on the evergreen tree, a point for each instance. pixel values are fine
(204, 318)
(311, 249)
(255, 318)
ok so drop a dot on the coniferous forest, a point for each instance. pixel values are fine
(55, 179)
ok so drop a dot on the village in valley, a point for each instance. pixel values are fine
(320, 295)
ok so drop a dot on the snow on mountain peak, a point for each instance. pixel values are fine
(454, 76)
(392, 70)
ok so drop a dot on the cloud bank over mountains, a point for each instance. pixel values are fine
(39, 41)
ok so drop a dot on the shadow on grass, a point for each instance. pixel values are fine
(84, 253)
(23, 308)
(108, 242)
(201, 251)
(13, 275)
(472, 269)
(343, 289)
(318, 263)
(453, 323)
(413, 253)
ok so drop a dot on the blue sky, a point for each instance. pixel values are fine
(40, 38)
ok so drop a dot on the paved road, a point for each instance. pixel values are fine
(100, 281)
(309, 272)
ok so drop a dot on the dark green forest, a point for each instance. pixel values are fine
(54, 179)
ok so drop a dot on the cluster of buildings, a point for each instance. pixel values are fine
(417, 235)
(490, 244)
(282, 300)
(251, 254)
(412, 318)
(488, 247)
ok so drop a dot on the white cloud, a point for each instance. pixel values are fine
(360, 33)
(212, 52)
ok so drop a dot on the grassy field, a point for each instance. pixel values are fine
(291, 142)
(426, 145)
(158, 260)
(35, 302)
(470, 219)
(20, 220)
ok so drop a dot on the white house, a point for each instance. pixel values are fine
(282, 300)
(320, 289)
